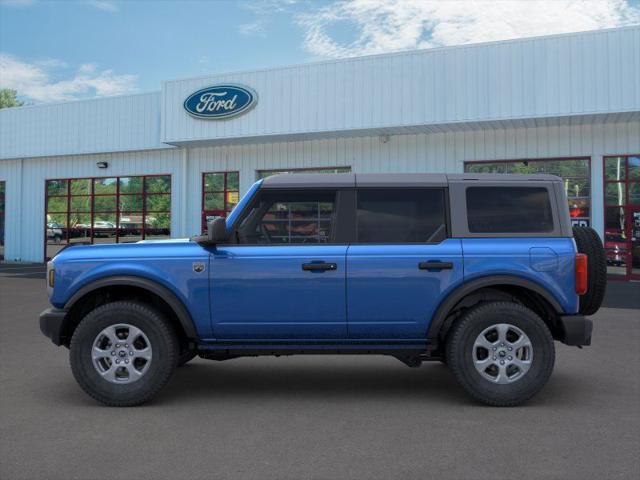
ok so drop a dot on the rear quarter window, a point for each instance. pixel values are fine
(509, 210)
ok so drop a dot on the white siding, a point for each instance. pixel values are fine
(548, 77)
(89, 126)
(25, 198)
(434, 152)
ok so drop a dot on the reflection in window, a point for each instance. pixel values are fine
(509, 210)
(401, 216)
(220, 194)
(107, 210)
(290, 218)
(622, 217)
(573, 171)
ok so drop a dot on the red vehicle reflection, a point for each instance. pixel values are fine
(615, 246)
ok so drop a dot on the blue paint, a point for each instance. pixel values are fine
(514, 256)
(168, 263)
(389, 297)
(219, 102)
(261, 292)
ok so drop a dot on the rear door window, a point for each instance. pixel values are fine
(401, 215)
(509, 210)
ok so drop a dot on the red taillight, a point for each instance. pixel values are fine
(581, 273)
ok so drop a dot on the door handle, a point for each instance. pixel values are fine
(435, 265)
(319, 266)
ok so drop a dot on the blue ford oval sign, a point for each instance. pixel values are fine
(220, 101)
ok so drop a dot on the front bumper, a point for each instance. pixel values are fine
(575, 330)
(52, 324)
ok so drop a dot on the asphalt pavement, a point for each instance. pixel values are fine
(314, 417)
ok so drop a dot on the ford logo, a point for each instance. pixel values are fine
(220, 101)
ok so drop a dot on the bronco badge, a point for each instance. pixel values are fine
(198, 267)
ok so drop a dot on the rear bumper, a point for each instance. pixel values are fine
(52, 323)
(575, 330)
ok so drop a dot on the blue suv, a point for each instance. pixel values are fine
(481, 272)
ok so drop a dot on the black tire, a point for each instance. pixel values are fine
(588, 242)
(460, 347)
(186, 356)
(163, 343)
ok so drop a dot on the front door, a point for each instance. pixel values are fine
(285, 276)
(402, 263)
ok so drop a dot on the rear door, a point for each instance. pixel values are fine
(402, 262)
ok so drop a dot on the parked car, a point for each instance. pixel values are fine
(481, 272)
(103, 228)
(54, 232)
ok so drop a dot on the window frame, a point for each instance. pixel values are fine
(446, 206)
(524, 186)
(203, 211)
(92, 211)
(588, 159)
(459, 216)
(343, 221)
(627, 208)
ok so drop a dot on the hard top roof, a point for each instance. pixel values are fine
(346, 180)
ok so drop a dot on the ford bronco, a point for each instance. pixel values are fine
(480, 272)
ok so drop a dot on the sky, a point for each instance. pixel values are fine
(60, 50)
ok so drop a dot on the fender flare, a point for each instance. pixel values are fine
(465, 289)
(183, 315)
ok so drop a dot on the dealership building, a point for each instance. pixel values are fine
(154, 165)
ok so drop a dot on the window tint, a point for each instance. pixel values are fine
(401, 216)
(509, 210)
(290, 218)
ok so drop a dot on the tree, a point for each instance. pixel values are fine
(8, 98)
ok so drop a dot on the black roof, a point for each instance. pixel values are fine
(345, 180)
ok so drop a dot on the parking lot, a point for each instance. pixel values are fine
(316, 417)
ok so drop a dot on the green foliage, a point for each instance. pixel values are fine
(8, 98)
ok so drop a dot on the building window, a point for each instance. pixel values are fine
(575, 172)
(106, 210)
(622, 216)
(220, 192)
(268, 173)
(2, 210)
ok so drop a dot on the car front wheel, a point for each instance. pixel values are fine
(123, 353)
(501, 353)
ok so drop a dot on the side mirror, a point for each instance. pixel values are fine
(217, 231)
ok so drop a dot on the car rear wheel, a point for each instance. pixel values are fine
(123, 353)
(501, 353)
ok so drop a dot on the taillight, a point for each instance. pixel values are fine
(581, 273)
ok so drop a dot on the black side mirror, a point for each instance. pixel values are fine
(217, 231)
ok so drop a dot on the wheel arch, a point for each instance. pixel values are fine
(127, 286)
(508, 285)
